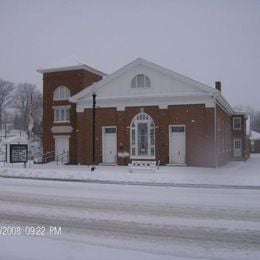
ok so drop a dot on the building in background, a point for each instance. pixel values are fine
(255, 142)
(143, 111)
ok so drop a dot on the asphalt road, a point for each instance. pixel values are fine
(210, 223)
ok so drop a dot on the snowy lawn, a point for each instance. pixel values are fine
(233, 173)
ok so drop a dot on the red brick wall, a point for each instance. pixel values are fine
(199, 125)
(199, 122)
(224, 136)
(257, 146)
(76, 81)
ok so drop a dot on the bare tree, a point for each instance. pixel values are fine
(6, 89)
(37, 114)
(22, 99)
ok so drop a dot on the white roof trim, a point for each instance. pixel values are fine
(69, 63)
(161, 100)
(81, 67)
(205, 88)
(186, 94)
(222, 102)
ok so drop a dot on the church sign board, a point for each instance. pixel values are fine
(18, 153)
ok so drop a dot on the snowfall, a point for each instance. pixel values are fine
(111, 213)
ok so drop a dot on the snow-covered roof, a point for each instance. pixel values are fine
(15, 140)
(12, 132)
(69, 63)
(254, 135)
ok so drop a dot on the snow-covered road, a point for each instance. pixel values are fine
(131, 221)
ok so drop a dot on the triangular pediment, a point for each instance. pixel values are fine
(163, 82)
(166, 88)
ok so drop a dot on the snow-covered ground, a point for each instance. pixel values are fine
(101, 221)
(233, 173)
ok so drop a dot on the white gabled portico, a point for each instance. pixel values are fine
(166, 88)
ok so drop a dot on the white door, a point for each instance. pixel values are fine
(61, 146)
(237, 147)
(109, 145)
(177, 140)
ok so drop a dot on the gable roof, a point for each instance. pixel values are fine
(133, 64)
(69, 63)
(207, 90)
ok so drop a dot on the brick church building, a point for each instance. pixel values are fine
(142, 112)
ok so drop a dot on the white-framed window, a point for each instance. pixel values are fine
(142, 137)
(237, 123)
(140, 81)
(61, 114)
(110, 130)
(61, 93)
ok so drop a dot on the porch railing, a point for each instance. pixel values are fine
(62, 158)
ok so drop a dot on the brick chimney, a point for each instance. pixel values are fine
(218, 85)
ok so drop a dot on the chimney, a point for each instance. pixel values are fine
(218, 85)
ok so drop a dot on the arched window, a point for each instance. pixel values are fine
(142, 136)
(140, 81)
(61, 93)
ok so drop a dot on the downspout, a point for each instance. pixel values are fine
(215, 132)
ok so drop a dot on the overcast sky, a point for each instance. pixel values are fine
(207, 40)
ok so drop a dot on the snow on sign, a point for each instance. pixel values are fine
(18, 153)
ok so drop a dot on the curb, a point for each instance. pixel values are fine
(155, 184)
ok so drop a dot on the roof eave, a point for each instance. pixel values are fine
(80, 67)
(223, 103)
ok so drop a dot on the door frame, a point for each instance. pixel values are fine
(58, 137)
(170, 143)
(241, 150)
(103, 143)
